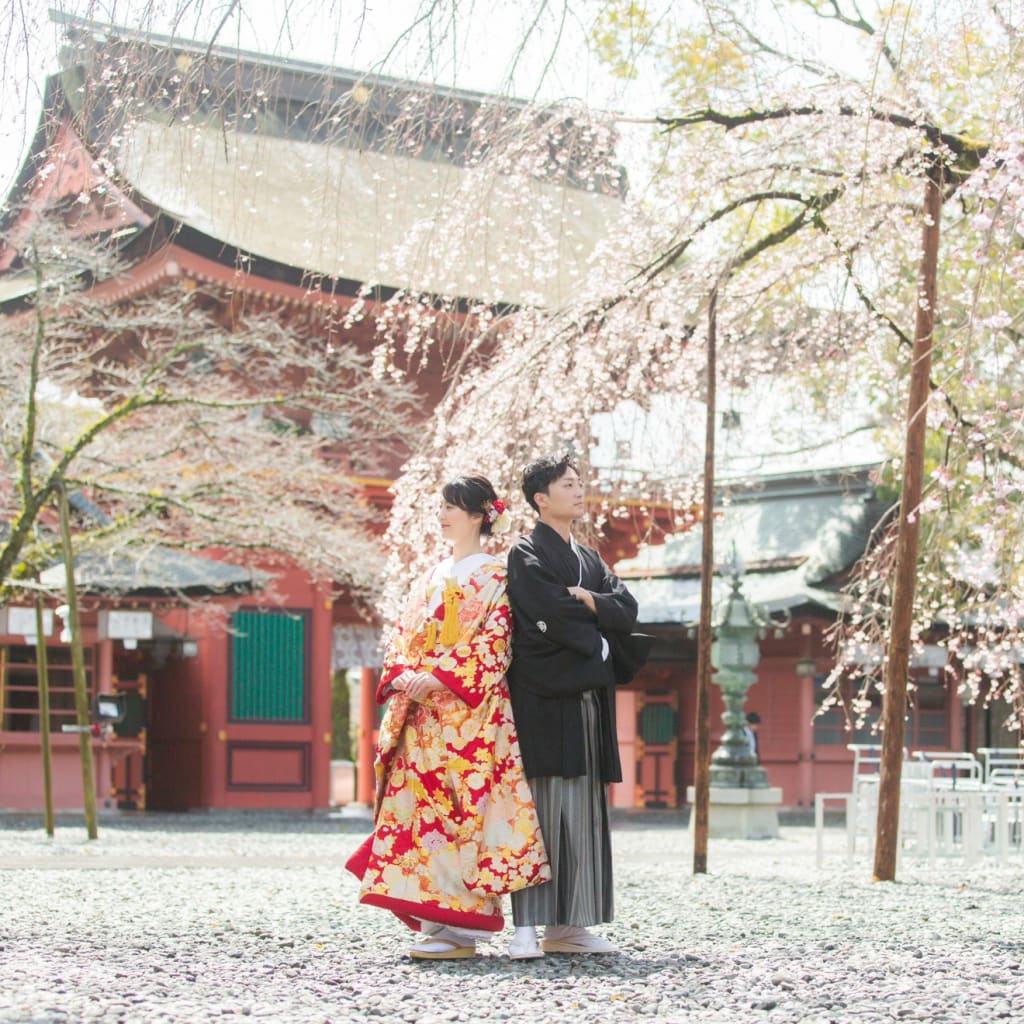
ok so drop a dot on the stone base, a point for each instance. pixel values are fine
(353, 811)
(735, 813)
(343, 783)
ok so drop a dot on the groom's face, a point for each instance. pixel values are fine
(564, 499)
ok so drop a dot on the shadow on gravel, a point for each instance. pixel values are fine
(199, 822)
(626, 818)
(612, 965)
(218, 819)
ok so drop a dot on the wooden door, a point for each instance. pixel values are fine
(174, 749)
(657, 730)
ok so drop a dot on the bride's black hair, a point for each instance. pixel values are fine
(472, 494)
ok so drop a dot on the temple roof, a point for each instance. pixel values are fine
(793, 537)
(155, 571)
(332, 174)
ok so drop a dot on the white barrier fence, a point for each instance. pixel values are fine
(951, 804)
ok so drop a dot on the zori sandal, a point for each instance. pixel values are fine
(563, 939)
(436, 948)
(524, 947)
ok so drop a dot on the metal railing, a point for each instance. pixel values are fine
(951, 804)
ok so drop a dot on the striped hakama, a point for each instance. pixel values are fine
(573, 817)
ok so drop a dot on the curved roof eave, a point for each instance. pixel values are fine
(53, 102)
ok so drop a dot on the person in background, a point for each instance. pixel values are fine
(750, 731)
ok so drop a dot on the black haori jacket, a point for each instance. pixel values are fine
(556, 653)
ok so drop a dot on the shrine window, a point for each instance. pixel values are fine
(19, 677)
(269, 672)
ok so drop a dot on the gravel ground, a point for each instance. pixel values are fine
(190, 918)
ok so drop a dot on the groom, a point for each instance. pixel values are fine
(568, 610)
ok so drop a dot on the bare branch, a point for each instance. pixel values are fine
(968, 151)
(855, 21)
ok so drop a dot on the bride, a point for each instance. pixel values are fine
(454, 821)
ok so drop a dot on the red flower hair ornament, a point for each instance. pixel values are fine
(496, 514)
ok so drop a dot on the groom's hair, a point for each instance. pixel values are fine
(540, 474)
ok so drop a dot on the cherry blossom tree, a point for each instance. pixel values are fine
(788, 150)
(809, 196)
(791, 183)
(786, 170)
(188, 423)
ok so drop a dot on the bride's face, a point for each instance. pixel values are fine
(458, 525)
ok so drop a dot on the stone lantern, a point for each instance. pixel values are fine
(741, 804)
(734, 656)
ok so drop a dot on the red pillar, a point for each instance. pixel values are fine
(955, 720)
(320, 720)
(805, 773)
(104, 666)
(367, 719)
(103, 762)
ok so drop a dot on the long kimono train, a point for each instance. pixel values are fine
(454, 821)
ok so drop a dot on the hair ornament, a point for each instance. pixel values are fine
(496, 514)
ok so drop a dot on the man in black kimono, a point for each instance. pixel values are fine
(570, 613)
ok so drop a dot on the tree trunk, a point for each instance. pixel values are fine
(702, 745)
(897, 663)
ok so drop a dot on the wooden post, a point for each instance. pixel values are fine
(77, 666)
(897, 666)
(702, 744)
(43, 678)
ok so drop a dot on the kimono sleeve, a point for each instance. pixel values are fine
(616, 606)
(541, 598)
(396, 653)
(394, 665)
(475, 665)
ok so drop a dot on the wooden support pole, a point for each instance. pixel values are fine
(702, 744)
(78, 666)
(897, 665)
(43, 682)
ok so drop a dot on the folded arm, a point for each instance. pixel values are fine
(544, 603)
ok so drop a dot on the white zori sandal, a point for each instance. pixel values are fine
(440, 943)
(524, 944)
(569, 939)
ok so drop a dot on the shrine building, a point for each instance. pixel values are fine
(285, 189)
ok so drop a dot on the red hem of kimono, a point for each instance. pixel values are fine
(407, 911)
(410, 913)
(359, 859)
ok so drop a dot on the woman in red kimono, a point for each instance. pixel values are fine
(454, 822)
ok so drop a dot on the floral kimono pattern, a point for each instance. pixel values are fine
(454, 821)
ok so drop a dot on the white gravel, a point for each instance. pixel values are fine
(190, 918)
